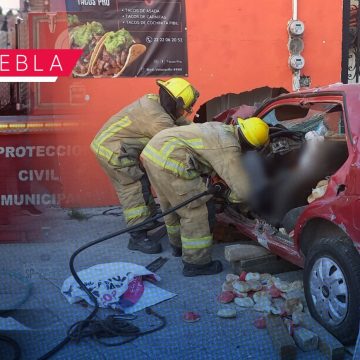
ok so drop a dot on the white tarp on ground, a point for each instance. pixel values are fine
(109, 282)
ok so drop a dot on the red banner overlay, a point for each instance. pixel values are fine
(38, 62)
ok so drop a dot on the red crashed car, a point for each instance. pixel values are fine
(307, 198)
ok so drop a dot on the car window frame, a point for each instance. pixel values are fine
(304, 98)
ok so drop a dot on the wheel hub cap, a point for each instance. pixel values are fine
(329, 291)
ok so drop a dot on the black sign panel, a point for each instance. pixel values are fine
(133, 38)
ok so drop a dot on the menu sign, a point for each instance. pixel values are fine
(133, 38)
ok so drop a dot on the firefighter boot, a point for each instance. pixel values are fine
(153, 225)
(139, 242)
(150, 226)
(211, 268)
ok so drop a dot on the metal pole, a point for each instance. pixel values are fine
(17, 45)
(345, 42)
(357, 53)
(295, 9)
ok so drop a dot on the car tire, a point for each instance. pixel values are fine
(332, 286)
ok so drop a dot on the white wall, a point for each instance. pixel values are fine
(9, 4)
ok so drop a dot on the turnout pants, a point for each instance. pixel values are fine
(191, 226)
(133, 190)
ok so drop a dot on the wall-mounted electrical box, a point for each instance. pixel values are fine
(296, 27)
(296, 62)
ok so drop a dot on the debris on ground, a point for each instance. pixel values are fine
(255, 259)
(282, 305)
(227, 313)
(252, 276)
(77, 215)
(231, 277)
(293, 305)
(297, 317)
(226, 297)
(245, 302)
(241, 286)
(157, 264)
(289, 324)
(283, 343)
(242, 276)
(254, 285)
(328, 344)
(305, 339)
(263, 293)
(274, 292)
(238, 251)
(191, 317)
(260, 323)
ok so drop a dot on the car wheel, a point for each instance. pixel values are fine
(332, 286)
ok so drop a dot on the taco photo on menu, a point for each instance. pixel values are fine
(72, 20)
(88, 38)
(116, 51)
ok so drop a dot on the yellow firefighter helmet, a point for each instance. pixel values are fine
(180, 88)
(254, 130)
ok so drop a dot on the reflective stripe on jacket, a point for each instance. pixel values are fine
(200, 149)
(123, 137)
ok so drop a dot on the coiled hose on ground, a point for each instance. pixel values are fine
(85, 323)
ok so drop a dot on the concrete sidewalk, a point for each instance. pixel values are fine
(47, 315)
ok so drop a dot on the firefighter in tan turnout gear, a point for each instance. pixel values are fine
(120, 141)
(177, 159)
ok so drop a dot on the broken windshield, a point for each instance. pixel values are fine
(301, 118)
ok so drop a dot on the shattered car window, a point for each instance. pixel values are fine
(312, 117)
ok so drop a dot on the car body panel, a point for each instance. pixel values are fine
(340, 204)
